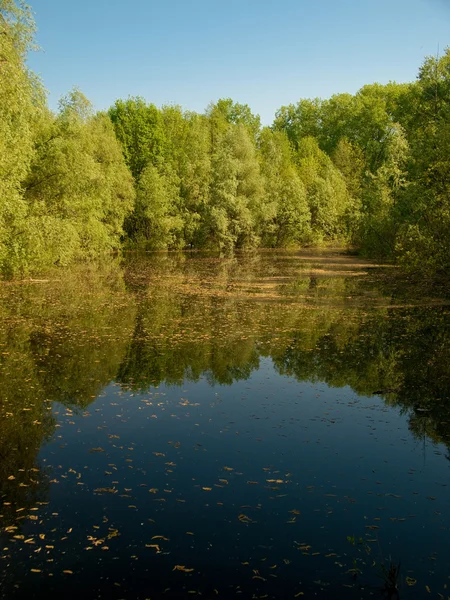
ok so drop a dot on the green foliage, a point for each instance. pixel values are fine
(423, 242)
(234, 210)
(381, 215)
(327, 194)
(155, 223)
(226, 112)
(139, 129)
(78, 191)
(21, 99)
(187, 151)
(300, 120)
(286, 211)
(371, 169)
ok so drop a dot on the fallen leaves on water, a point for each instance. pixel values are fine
(182, 568)
(244, 519)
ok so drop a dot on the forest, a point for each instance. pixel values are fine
(369, 171)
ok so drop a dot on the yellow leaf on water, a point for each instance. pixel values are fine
(182, 568)
(244, 519)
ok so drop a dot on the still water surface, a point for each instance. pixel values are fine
(178, 425)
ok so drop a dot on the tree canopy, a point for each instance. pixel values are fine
(370, 170)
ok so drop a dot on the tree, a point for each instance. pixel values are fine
(381, 212)
(300, 120)
(21, 101)
(423, 242)
(155, 223)
(327, 194)
(226, 112)
(234, 212)
(78, 191)
(286, 212)
(139, 129)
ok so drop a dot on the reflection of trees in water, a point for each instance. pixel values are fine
(25, 421)
(332, 335)
(66, 341)
(61, 342)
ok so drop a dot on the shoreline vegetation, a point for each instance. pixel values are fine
(369, 171)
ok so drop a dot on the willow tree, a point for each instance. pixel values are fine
(21, 99)
(327, 194)
(156, 222)
(78, 191)
(187, 157)
(286, 211)
(234, 215)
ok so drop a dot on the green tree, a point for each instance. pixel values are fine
(286, 212)
(423, 242)
(235, 210)
(139, 129)
(21, 102)
(78, 191)
(226, 112)
(156, 223)
(327, 194)
(299, 120)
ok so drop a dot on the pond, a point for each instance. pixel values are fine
(266, 426)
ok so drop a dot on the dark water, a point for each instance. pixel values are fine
(274, 426)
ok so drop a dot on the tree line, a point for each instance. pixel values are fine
(370, 170)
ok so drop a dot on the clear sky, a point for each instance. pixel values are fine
(265, 53)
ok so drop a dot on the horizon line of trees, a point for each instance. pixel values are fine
(370, 170)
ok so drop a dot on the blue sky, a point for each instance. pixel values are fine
(265, 53)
